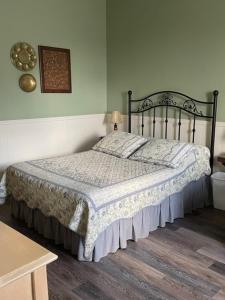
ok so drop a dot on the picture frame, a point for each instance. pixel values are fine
(55, 69)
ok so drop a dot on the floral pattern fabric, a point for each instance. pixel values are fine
(163, 152)
(3, 193)
(120, 144)
(88, 191)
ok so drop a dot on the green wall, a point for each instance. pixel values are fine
(159, 44)
(151, 45)
(79, 25)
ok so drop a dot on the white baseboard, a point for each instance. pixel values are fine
(29, 139)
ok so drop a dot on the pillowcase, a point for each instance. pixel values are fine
(167, 153)
(120, 144)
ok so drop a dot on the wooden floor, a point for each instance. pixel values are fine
(185, 260)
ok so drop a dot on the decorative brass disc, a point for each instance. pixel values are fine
(23, 56)
(27, 83)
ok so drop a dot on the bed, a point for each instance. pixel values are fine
(94, 201)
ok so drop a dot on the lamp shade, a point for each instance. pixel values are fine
(116, 117)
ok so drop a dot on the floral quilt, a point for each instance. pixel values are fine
(88, 191)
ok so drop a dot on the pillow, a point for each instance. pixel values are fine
(167, 153)
(120, 144)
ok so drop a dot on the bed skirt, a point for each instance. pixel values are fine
(193, 196)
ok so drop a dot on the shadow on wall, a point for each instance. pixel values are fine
(87, 145)
(125, 101)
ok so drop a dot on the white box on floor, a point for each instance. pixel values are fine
(218, 183)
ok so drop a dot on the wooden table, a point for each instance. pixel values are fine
(221, 159)
(22, 266)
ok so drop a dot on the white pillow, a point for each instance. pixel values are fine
(162, 152)
(120, 144)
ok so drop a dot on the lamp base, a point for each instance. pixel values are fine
(115, 127)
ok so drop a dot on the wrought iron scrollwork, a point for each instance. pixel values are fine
(167, 99)
(190, 106)
(146, 104)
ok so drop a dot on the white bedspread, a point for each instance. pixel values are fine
(88, 191)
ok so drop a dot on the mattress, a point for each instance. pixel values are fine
(88, 191)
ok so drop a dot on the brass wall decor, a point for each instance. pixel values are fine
(23, 56)
(27, 83)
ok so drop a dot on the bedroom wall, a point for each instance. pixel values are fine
(158, 44)
(36, 125)
(79, 25)
(151, 44)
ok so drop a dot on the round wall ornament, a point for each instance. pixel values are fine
(27, 83)
(23, 56)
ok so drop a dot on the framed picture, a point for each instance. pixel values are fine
(55, 70)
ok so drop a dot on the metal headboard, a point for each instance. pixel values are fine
(185, 104)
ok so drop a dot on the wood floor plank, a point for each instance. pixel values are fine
(220, 295)
(135, 287)
(183, 262)
(81, 273)
(216, 219)
(90, 291)
(145, 287)
(213, 252)
(137, 266)
(174, 241)
(202, 226)
(170, 268)
(218, 267)
(58, 288)
(201, 238)
(182, 291)
(164, 283)
(178, 238)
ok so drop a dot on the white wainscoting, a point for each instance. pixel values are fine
(22, 140)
